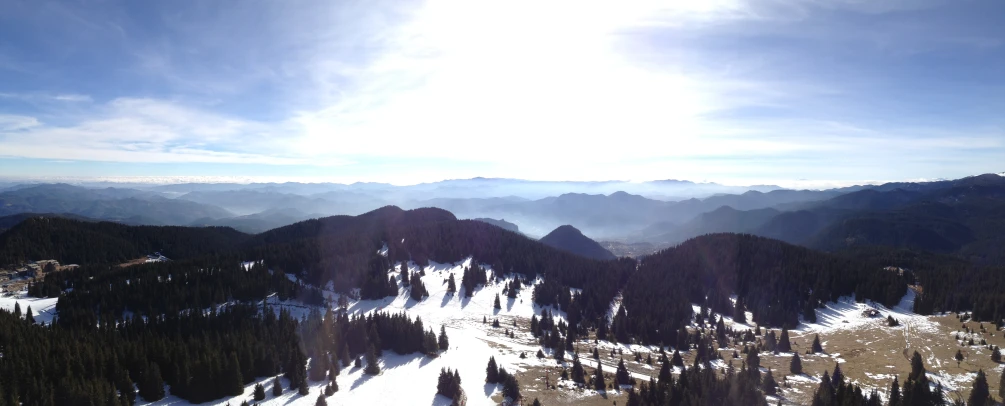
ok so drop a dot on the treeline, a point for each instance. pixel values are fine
(103, 293)
(201, 356)
(948, 283)
(81, 242)
(338, 336)
(776, 281)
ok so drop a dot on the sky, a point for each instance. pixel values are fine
(733, 91)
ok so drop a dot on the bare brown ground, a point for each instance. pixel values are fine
(869, 355)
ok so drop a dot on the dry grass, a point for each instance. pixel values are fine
(869, 355)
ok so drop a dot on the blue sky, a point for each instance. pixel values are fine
(736, 91)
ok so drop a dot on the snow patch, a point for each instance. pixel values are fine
(43, 309)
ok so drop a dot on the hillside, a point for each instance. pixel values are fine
(83, 242)
(722, 220)
(568, 238)
(776, 281)
(501, 223)
(7, 222)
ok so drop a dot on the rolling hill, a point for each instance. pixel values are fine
(568, 238)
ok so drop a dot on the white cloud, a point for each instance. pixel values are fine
(72, 97)
(555, 89)
(148, 131)
(17, 123)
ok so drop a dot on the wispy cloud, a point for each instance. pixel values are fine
(17, 123)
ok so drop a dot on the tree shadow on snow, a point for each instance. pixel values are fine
(439, 400)
(446, 299)
(490, 388)
(364, 378)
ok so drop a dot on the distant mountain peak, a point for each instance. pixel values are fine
(570, 239)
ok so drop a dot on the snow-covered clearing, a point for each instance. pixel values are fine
(847, 314)
(44, 309)
(411, 379)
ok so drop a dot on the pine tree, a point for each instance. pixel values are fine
(796, 365)
(770, 341)
(996, 355)
(28, 315)
(492, 371)
(598, 378)
(334, 371)
(980, 395)
(371, 362)
(578, 374)
(429, 344)
(816, 347)
(127, 389)
(17, 310)
(259, 393)
(451, 285)
(784, 345)
(622, 375)
(318, 368)
(1001, 386)
(417, 289)
(302, 388)
(768, 384)
(665, 375)
(894, 392)
(677, 360)
(958, 357)
(234, 384)
(497, 305)
(511, 388)
(536, 402)
(825, 392)
(277, 387)
(740, 311)
(917, 367)
(152, 387)
(837, 378)
(443, 341)
(321, 401)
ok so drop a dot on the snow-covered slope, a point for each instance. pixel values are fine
(42, 309)
(411, 379)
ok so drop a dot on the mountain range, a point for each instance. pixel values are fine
(937, 216)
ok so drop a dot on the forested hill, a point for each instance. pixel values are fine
(778, 282)
(568, 238)
(8, 222)
(75, 241)
(344, 250)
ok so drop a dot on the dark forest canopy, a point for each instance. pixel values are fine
(83, 242)
(776, 281)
